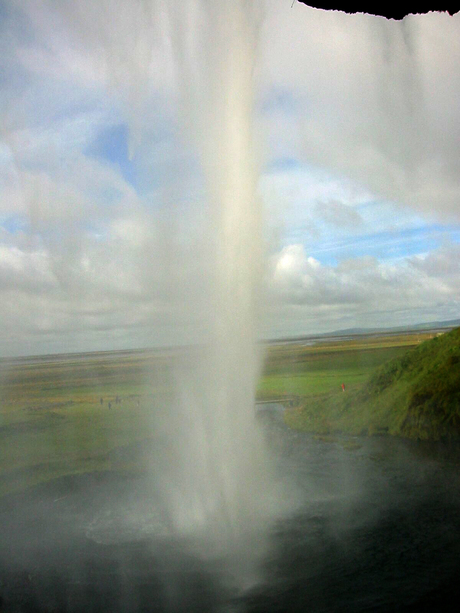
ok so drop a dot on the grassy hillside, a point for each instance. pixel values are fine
(416, 395)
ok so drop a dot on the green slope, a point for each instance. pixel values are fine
(415, 396)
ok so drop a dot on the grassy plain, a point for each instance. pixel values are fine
(309, 370)
(71, 414)
(63, 415)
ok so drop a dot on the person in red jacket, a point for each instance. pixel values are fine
(343, 387)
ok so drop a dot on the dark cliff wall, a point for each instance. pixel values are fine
(391, 10)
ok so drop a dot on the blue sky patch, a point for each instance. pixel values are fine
(14, 224)
(283, 163)
(384, 245)
(111, 145)
(278, 100)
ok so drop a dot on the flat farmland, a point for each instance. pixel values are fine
(308, 370)
(62, 415)
(72, 414)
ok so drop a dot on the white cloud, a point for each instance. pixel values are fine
(443, 263)
(338, 214)
(361, 290)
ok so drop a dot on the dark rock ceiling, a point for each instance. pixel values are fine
(390, 9)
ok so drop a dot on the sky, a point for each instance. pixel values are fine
(104, 242)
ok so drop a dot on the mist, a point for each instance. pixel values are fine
(187, 180)
(181, 259)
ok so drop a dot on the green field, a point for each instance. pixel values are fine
(74, 414)
(306, 371)
(68, 416)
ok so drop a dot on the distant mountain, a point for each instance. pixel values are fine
(432, 325)
(452, 323)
